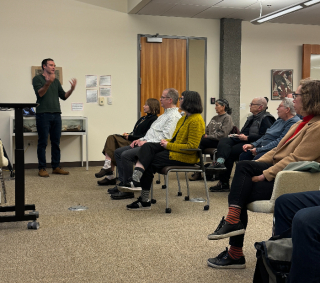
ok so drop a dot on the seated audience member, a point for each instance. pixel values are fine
(287, 117)
(253, 180)
(229, 149)
(152, 108)
(290, 95)
(299, 215)
(219, 127)
(153, 157)
(162, 128)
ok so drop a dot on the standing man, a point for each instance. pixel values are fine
(48, 115)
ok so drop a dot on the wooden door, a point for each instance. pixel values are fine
(162, 65)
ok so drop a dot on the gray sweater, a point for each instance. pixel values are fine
(219, 127)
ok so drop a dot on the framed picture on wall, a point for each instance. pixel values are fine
(281, 83)
(37, 70)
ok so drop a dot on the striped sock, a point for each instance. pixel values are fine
(107, 164)
(145, 195)
(233, 216)
(235, 252)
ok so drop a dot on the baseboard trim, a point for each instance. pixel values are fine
(64, 164)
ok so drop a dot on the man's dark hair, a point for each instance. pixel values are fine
(191, 102)
(44, 62)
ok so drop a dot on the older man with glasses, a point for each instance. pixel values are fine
(162, 128)
(230, 148)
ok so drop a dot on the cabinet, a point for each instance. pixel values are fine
(71, 126)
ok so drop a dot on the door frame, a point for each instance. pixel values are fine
(187, 66)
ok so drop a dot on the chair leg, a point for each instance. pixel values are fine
(188, 191)
(4, 192)
(158, 181)
(207, 206)
(153, 201)
(179, 191)
(168, 210)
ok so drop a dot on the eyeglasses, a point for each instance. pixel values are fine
(253, 104)
(164, 97)
(180, 98)
(295, 95)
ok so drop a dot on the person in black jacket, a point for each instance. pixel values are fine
(230, 148)
(152, 108)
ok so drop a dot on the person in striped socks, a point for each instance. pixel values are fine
(253, 180)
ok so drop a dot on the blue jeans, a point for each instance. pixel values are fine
(48, 123)
(301, 213)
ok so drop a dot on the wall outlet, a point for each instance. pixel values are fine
(109, 99)
(30, 143)
(101, 101)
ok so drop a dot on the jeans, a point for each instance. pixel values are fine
(48, 123)
(301, 213)
(125, 158)
(244, 190)
(248, 156)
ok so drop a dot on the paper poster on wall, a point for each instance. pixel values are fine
(105, 80)
(76, 106)
(92, 95)
(91, 81)
(105, 91)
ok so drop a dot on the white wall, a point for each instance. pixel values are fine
(271, 46)
(85, 39)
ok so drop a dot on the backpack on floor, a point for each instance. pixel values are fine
(273, 260)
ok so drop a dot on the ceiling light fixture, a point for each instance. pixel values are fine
(284, 11)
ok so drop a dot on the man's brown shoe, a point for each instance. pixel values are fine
(43, 173)
(60, 171)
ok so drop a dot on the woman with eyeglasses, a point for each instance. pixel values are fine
(219, 127)
(253, 180)
(152, 109)
(152, 157)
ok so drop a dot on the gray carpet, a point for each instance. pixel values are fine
(108, 243)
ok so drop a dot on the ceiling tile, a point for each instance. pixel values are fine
(181, 10)
(156, 9)
(235, 4)
(216, 13)
(200, 2)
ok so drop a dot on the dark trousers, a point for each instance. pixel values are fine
(112, 143)
(301, 213)
(249, 156)
(48, 123)
(244, 190)
(229, 149)
(154, 157)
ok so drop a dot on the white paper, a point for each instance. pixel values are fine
(76, 106)
(105, 80)
(105, 91)
(92, 95)
(91, 81)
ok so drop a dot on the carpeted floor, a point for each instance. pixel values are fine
(108, 243)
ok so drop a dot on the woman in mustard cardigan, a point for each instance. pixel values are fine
(154, 156)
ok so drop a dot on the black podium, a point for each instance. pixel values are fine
(20, 207)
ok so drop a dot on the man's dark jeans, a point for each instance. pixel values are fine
(301, 213)
(48, 123)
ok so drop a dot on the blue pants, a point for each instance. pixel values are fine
(301, 213)
(48, 123)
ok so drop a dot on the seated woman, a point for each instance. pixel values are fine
(219, 127)
(153, 157)
(253, 180)
(152, 108)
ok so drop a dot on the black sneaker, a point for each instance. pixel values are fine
(107, 182)
(104, 172)
(224, 260)
(139, 205)
(113, 190)
(121, 195)
(217, 166)
(220, 187)
(225, 230)
(130, 186)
